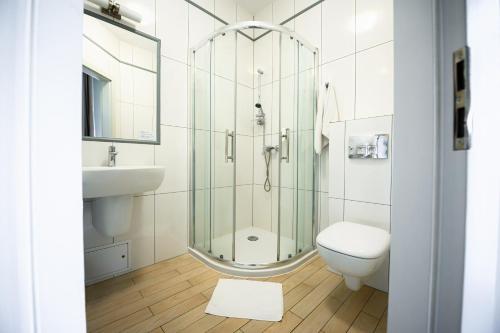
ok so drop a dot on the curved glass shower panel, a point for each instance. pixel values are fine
(224, 138)
(305, 156)
(234, 218)
(201, 142)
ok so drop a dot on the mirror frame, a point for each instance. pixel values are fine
(158, 80)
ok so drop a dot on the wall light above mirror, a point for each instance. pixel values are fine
(120, 82)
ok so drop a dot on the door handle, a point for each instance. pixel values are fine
(285, 138)
(227, 156)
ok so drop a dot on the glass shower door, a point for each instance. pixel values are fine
(304, 150)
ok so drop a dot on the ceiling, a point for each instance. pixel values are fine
(254, 6)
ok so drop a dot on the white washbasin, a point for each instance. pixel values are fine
(120, 180)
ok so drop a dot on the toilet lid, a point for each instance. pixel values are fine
(354, 239)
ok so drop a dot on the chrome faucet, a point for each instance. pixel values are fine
(112, 156)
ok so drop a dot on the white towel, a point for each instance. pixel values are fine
(327, 111)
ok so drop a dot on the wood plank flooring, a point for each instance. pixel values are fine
(171, 296)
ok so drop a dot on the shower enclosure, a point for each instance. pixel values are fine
(266, 227)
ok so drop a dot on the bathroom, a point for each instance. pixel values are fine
(270, 151)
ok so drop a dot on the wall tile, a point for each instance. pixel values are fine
(336, 160)
(262, 208)
(172, 28)
(375, 82)
(225, 53)
(338, 24)
(95, 153)
(144, 87)
(200, 25)
(170, 225)
(141, 233)
(173, 155)
(244, 206)
(223, 113)
(222, 223)
(244, 160)
(366, 213)
(174, 91)
(368, 180)
(245, 119)
(308, 25)
(374, 22)
(134, 154)
(324, 210)
(266, 15)
(336, 210)
(324, 172)
(226, 10)
(263, 59)
(282, 10)
(302, 4)
(340, 75)
(245, 49)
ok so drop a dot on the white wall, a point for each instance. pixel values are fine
(160, 220)
(355, 40)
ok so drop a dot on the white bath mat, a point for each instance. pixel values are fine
(247, 299)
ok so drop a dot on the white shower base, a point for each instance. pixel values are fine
(253, 253)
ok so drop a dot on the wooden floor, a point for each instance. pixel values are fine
(171, 296)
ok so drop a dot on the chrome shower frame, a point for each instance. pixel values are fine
(231, 266)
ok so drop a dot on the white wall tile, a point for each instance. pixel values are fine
(375, 81)
(374, 215)
(141, 233)
(223, 112)
(245, 119)
(341, 75)
(134, 154)
(222, 170)
(126, 120)
(173, 155)
(336, 160)
(172, 28)
(206, 4)
(200, 25)
(222, 223)
(324, 171)
(170, 225)
(126, 52)
(244, 160)
(368, 180)
(324, 210)
(282, 10)
(263, 59)
(244, 206)
(226, 10)
(144, 122)
(338, 24)
(308, 25)
(144, 87)
(174, 100)
(127, 83)
(336, 210)
(374, 22)
(225, 54)
(302, 4)
(95, 153)
(265, 15)
(143, 58)
(262, 208)
(245, 49)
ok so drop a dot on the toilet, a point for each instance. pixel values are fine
(354, 250)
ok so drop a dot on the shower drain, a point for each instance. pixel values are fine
(253, 238)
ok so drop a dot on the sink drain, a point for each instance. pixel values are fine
(253, 238)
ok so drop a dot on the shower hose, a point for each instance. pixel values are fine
(267, 158)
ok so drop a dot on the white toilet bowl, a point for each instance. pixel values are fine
(354, 250)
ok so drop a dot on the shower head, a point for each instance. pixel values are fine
(260, 71)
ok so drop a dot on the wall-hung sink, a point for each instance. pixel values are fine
(121, 180)
(112, 189)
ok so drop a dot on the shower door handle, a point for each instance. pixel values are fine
(227, 156)
(285, 138)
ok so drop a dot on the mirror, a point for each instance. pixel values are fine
(120, 82)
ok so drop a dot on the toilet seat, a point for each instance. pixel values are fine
(354, 239)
